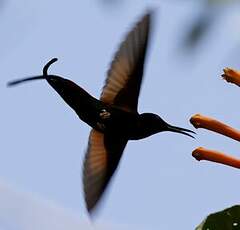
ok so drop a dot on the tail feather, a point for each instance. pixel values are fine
(16, 82)
(44, 76)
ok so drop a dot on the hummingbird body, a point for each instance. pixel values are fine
(114, 118)
(132, 126)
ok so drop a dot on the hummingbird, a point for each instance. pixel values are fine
(114, 118)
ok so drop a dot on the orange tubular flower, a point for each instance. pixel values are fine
(215, 156)
(232, 76)
(200, 121)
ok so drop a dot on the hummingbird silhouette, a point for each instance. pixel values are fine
(114, 118)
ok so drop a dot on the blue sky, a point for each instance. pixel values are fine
(158, 185)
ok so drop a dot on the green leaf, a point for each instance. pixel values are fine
(228, 219)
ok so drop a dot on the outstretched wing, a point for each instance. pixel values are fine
(102, 158)
(124, 78)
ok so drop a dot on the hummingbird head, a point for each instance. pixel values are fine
(155, 124)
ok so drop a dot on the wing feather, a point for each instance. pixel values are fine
(124, 77)
(100, 163)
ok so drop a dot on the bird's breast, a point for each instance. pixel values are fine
(117, 121)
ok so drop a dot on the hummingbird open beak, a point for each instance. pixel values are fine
(180, 130)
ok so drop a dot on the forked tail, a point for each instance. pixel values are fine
(44, 76)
